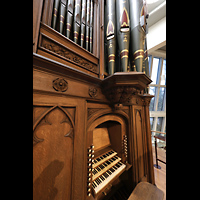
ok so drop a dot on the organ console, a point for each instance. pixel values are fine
(91, 124)
(106, 168)
(110, 158)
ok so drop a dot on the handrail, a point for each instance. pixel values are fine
(159, 132)
(163, 138)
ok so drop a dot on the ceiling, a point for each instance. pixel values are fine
(156, 12)
(162, 48)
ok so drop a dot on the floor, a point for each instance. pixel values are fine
(160, 174)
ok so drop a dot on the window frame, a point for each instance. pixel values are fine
(155, 114)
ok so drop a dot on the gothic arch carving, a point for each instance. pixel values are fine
(43, 120)
(105, 118)
(138, 111)
(107, 113)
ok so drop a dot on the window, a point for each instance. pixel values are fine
(161, 99)
(155, 70)
(159, 123)
(152, 92)
(151, 122)
(163, 75)
(157, 107)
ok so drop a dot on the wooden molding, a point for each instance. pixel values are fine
(56, 46)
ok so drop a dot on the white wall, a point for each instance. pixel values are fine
(156, 36)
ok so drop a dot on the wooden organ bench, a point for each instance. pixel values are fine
(146, 191)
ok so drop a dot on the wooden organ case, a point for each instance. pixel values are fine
(91, 130)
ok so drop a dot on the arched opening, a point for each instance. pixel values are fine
(107, 134)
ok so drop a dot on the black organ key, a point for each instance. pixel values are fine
(114, 167)
(98, 169)
(112, 170)
(102, 177)
(101, 166)
(105, 174)
(107, 162)
(117, 165)
(94, 185)
(98, 181)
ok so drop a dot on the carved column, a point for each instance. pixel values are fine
(146, 98)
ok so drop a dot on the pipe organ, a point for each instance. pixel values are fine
(74, 19)
(91, 126)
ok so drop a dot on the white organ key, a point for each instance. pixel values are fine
(100, 182)
(114, 162)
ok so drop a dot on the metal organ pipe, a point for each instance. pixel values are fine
(130, 29)
(83, 22)
(62, 14)
(77, 19)
(123, 31)
(87, 24)
(110, 34)
(75, 16)
(91, 25)
(70, 14)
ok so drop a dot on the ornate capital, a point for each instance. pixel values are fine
(120, 87)
(146, 99)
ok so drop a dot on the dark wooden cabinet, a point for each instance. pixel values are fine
(71, 101)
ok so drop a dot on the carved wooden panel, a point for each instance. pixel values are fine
(53, 141)
(56, 46)
(140, 144)
(58, 49)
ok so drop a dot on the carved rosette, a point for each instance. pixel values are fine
(60, 84)
(92, 92)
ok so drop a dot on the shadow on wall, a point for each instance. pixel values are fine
(43, 187)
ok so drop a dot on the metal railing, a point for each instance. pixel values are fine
(160, 137)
